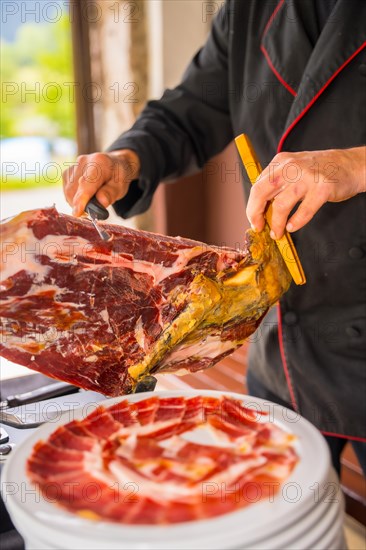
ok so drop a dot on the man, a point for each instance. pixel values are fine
(307, 61)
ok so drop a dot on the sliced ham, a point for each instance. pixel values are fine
(136, 463)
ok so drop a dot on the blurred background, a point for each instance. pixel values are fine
(38, 126)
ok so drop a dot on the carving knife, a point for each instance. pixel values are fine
(45, 392)
(97, 212)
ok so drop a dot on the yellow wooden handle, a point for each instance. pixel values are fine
(285, 243)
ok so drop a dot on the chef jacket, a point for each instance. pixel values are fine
(292, 82)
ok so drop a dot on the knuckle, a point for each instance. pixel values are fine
(98, 158)
(281, 157)
(112, 186)
(297, 191)
(280, 205)
(304, 213)
(323, 191)
(276, 181)
(291, 172)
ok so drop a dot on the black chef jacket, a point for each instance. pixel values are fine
(270, 70)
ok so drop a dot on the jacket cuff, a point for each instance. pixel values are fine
(140, 193)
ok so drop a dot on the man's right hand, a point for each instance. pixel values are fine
(106, 175)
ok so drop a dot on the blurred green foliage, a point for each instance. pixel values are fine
(17, 184)
(37, 81)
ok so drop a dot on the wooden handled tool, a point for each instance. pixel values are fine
(285, 243)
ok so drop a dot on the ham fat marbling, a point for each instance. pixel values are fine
(102, 315)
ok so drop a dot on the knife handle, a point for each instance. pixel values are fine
(147, 383)
(285, 243)
(45, 392)
(96, 210)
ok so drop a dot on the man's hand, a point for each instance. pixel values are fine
(310, 178)
(108, 175)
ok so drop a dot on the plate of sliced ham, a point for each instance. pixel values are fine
(197, 469)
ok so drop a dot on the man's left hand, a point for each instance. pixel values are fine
(310, 178)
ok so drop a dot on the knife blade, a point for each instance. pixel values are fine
(24, 420)
(45, 392)
(96, 212)
(4, 436)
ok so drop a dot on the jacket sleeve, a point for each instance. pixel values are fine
(188, 125)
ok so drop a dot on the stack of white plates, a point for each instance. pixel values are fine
(306, 513)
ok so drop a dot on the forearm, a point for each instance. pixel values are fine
(356, 161)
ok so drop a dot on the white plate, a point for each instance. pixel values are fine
(314, 529)
(60, 529)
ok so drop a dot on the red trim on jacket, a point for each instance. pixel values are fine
(284, 362)
(276, 73)
(305, 110)
(353, 438)
(279, 149)
(270, 20)
(266, 54)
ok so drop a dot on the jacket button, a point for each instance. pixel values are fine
(362, 69)
(290, 318)
(353, 332)
(356, 253)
